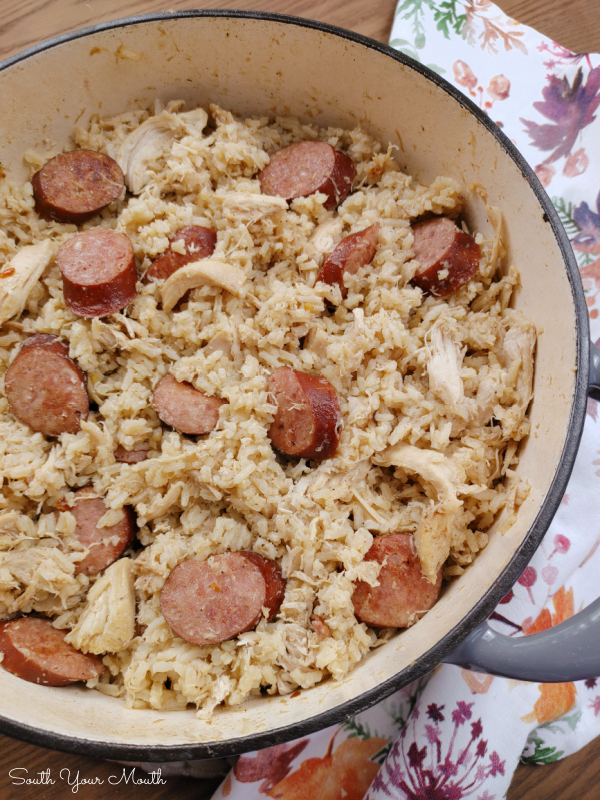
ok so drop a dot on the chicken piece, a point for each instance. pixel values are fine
(248, 206)
(491, 386)
(517, 350)
(444, 366)
(317, 341)
(326, 237)
(219, 342)
(107, 623)
(15, 287)
(149, 141)
(434, 468)
(338, 484)
(35, 579)
(200, 273)
(432, 540)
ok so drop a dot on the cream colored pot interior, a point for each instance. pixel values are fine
(263, 67)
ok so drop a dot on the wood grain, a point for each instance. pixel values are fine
(576, 25)
(105, 778)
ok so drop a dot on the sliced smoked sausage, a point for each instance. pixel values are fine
(37, 652)
(352, 253)
(308, 419)
(105, 544)
(45, 388)
(185, 408)
(98, 272)
(274, 582)
(75, 186)
(124, 456)
(448, 256)
(304, 168)
(207, 602)
(199, 243)
(404, 594)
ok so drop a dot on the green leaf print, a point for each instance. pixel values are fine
(573, 720)
(448, 18)
(381, 756)
(541, 754)
(556, 726)
(354, 727)
(412, 11)
(545, 755)
(395, 712)
(565, 212)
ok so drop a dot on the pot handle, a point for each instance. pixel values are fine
(568, 652)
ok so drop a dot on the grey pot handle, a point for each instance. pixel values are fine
(568, 652)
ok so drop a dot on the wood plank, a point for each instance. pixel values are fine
(106, 778)
(576, 24)
(574, 777)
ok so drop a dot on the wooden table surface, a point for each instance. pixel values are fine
(573, 23)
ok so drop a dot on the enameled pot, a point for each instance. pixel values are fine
(254, 63)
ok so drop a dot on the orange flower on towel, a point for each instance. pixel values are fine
(555, 699)
(347, 773)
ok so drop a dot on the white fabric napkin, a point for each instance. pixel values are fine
(458, 734)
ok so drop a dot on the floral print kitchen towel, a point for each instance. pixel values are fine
(458, 734)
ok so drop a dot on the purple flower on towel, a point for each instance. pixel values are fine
(569, 107)
(425, 765)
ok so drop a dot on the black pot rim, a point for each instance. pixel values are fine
(486, 604)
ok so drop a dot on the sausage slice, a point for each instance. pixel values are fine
(274, 582)
(199, 243)
(352, 253)
(37, 652)
(207, 602)
(124, 456)
(106, 544)
(98, 271)
(185, 408)
(448, 256)
(75, 186)
(45, 388)
(404, 594)
(308, 419)
(304, 168)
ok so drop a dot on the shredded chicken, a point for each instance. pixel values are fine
(326, 236)
(490, 388)
(221, 343)
(446, 477)
(444, 366)
(107, 623)
(148, 142)
(518, 348)
(432, 540)
(326, 478)
(28, 265)
(250, 207)
(200, 273)
(36, 579)
(441, 472)
(317, 341)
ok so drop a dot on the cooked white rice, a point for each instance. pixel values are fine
(451, 377)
